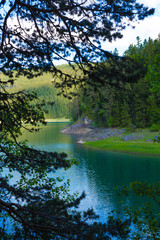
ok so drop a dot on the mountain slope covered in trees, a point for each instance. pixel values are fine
(43, 85)
(135, 104)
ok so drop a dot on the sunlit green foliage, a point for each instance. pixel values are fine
(55, 106)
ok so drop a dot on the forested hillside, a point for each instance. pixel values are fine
(135, 104)
(56, 106)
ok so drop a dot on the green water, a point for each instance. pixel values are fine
(98, 171)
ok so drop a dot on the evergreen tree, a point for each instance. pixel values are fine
(33, 35)
(130, 90)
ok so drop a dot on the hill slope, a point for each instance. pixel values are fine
(46, 90)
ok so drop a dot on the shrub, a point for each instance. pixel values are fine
(131, 127)
(155, 128)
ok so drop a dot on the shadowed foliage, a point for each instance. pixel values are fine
(33, 34)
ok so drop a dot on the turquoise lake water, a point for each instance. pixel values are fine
(98, 171)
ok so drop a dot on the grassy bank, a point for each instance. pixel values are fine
(58, 120)
(139, 146)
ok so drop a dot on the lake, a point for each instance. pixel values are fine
(98, 171)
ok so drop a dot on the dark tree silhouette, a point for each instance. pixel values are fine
(33, 34)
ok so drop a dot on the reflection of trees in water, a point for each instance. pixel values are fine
(49, 134)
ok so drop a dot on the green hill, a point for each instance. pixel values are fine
(44, 87)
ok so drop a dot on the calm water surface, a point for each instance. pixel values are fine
(98, 171)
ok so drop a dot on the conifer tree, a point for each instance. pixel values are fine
(33, 34)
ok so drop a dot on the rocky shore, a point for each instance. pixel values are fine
(87, 133)
(137, 141)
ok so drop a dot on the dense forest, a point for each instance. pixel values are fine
(135, 104)
(35, 200)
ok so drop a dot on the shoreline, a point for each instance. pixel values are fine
(122, 151)
(140, 146)
(58, 120)
(114, 139)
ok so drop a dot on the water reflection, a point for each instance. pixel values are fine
(99, 171)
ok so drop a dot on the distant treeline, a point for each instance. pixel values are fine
(136, 103)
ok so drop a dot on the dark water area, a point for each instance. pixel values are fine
(98, 171)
